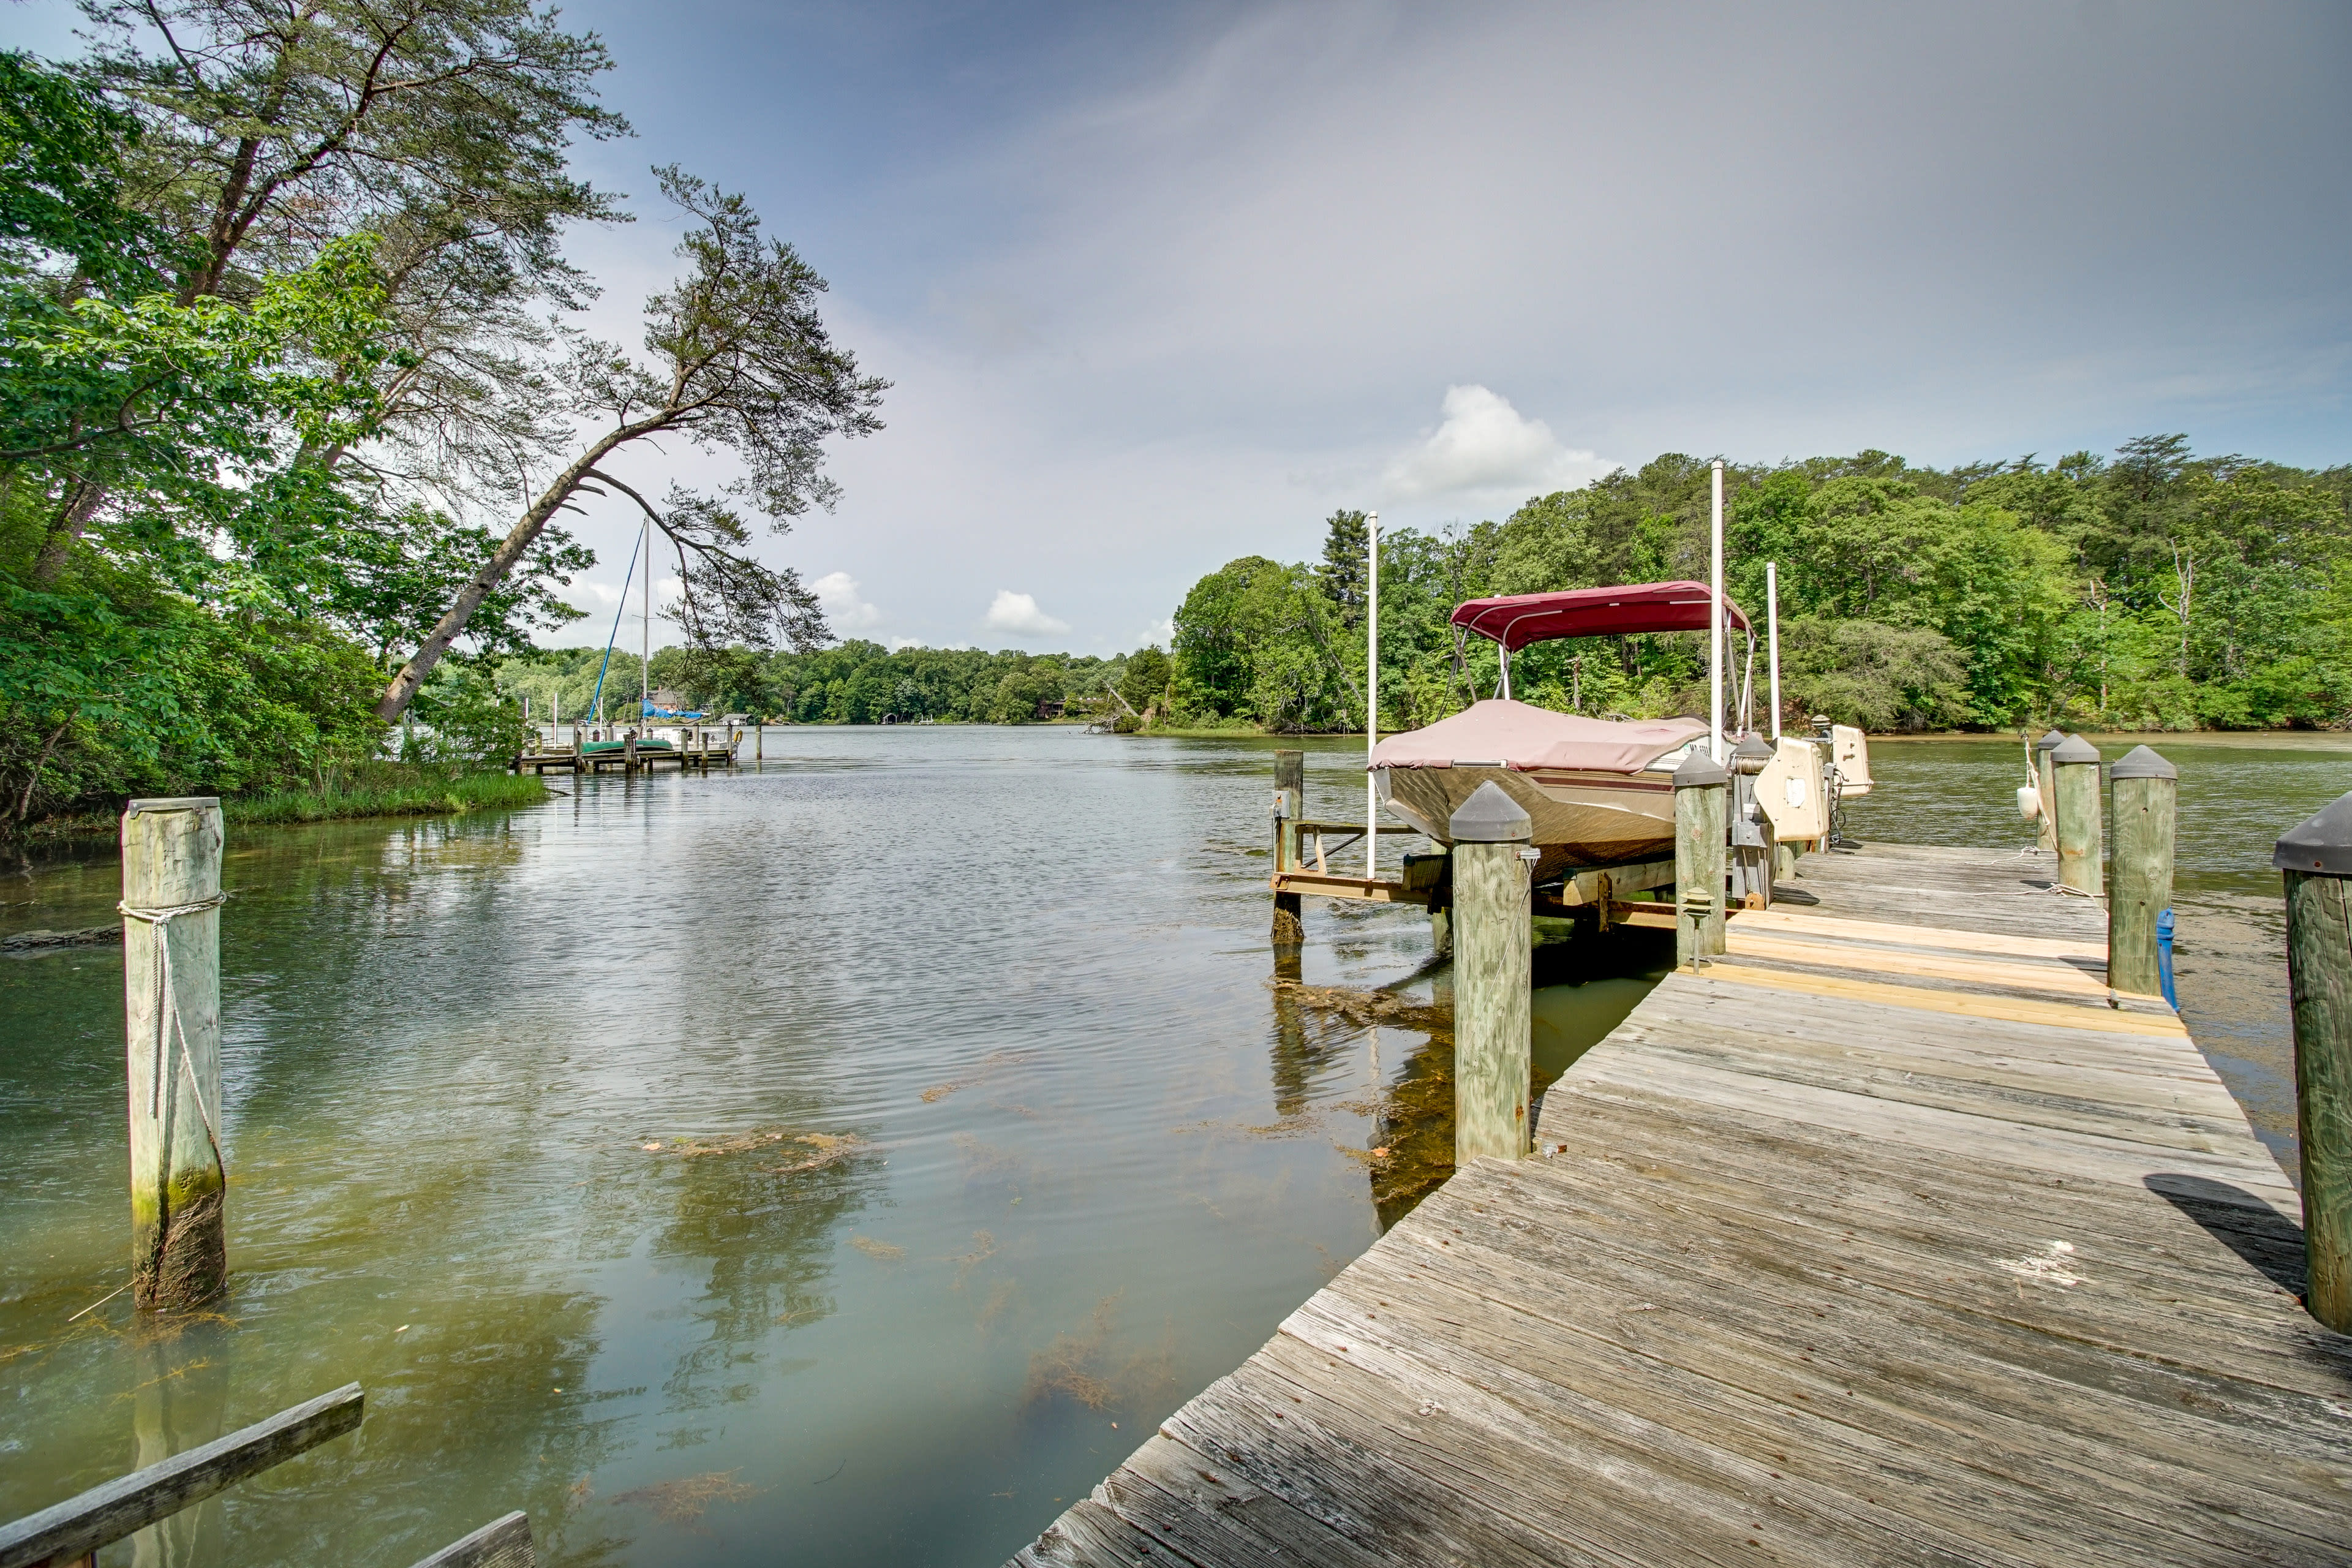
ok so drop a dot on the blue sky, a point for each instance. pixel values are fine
(1160, 286)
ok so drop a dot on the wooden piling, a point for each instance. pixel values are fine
(2140, 882)
(1701, 850)
(2075, 782)
(2045, 822)
(629, 753)
(2316, 860)
(170, 990)
(1493, 911)
(1290, 795)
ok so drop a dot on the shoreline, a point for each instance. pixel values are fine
(460, 796)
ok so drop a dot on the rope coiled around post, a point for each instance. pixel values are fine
(167, 1001)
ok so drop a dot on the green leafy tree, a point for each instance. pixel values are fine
(1347, 552)
(1146, 680)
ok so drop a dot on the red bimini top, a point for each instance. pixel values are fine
(1519, 619)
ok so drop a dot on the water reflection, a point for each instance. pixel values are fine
(1586, 982)
(951, 1046)
(178, 1404)
(1099, 1153)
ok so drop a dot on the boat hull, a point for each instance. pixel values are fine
(1577, 819)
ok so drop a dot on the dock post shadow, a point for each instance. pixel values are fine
(2267, 1240)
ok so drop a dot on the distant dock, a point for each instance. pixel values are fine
(684, 747)
(1890, 1235)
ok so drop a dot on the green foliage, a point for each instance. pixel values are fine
(1147, 679)
(855, 682)
(115, 688)
(390, 789)
(2158, 590)
(1346, 549)
(149, 640)
(190, 588)
(162, 399)
(1259, 640)
(1871, 674)
(462, 717)
(61, 183)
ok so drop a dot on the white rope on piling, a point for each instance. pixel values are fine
(167, 1001)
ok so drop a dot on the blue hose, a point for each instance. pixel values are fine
(2164, 959)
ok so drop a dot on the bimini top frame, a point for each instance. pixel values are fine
(1518, 619)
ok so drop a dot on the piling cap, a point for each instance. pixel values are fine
(2143, 763)
(1489, 816)
(2074, 748)
(174, 803)
(2322, 843)
(2050, 741)
(1699, 769)
(1753, 746)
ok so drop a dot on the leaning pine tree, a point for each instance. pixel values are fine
(740, 361)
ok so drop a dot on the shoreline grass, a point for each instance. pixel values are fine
(424, 797)
(422, 793)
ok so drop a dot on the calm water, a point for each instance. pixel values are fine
(2237, 796)
(845, 1163)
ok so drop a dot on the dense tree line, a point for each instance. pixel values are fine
(2152, 590)
(289, 409)
(855, 682)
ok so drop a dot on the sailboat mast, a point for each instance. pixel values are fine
(645, 649)
(1773, 635)
(1371, 693)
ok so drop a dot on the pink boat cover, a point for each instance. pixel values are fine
(1522, 619)
(1518, 736)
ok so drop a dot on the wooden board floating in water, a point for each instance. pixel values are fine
(1832, 1256)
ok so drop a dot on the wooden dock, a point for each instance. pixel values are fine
(1890, 1238)
(702, 750)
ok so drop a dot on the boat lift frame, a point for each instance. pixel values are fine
(1596, 888)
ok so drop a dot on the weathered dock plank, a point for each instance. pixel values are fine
(1890, 1238)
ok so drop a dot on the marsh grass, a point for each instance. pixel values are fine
(395, 792)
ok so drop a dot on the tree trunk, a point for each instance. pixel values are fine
(82, 502)
(452, 625)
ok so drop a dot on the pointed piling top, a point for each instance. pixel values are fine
(1489, 816)
(2050, 741)
(1698, 770)
(2074, 748)
(1753, 745)
(2143, 763)
(2321, 843)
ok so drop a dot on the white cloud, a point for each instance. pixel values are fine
(1485, 444)
(1012, 612)
(896, 644)
(1162, 632)
(1178, 297)
(837, 592)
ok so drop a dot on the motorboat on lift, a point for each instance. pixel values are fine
(1597, 791)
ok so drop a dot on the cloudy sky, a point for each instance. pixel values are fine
(1158, 286)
